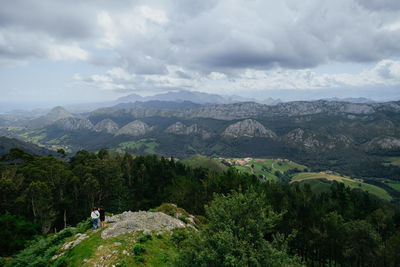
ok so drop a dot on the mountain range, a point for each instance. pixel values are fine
(325, 133)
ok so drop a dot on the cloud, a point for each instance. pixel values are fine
(204, 45)
(211, 35)
(385, 73)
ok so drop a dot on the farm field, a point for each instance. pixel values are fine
(395, 186)
(322, 181)
(393, 160)
(149, 145)
(264, 168)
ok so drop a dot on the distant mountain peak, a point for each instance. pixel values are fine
(57, 113)
(106, 125)
(248, 128)
(73, 124)
(181, 129)
(134, 128)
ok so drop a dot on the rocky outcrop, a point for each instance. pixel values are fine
(387, 143)
(134, 128)
(248, 128)
(181, 129)
(73, 124)
(140, 221)
(107, 126)
(312, 142)
(69, 245)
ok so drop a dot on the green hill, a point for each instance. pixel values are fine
(322, 181)
(266, 169)
(213, 165)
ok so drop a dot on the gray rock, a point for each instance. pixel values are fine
(107, 126)
(181, 129)
(248, 128)
(388, 143)
(140, 221)
(74, 124)
(312, 142)
(134, 128)
(69, 245)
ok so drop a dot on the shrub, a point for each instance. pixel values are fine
(83, 226)
(139, 258)
(179, 235)
(138, 249)
(144, 238)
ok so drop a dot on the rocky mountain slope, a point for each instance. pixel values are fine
(302, 130)
(245, 110)
(181, 129)
(53, 115)
(134, 128)
(248, 128)
(107, 126)
(74, 124)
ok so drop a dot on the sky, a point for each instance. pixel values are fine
(70, 51)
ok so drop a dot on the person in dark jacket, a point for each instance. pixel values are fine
(102, 217)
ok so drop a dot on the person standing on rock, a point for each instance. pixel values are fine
(95, 218)
(102, 217)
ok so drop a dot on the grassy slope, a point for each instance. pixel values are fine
(395, 186)
(160, 251)
(148, 144)
(266, 167)
(201, 161)
(320, 182)
(312, 177)
(394, 160)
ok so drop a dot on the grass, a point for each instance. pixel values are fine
(317, 175)
(310, 177)
(395, 186)
(84, 250)
(394, 160)
(264, 167)
(149, 145)
(197, 161)
(155, 250)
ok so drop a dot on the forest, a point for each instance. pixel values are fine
(247, 221)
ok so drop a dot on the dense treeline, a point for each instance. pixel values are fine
(41, 194)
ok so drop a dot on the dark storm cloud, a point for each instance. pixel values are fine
(145, 37)
(58, 19)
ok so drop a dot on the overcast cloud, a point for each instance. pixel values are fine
(226, 46)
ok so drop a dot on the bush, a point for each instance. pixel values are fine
(138, 249)
(139, 258)
(40, 251)
(83, 226)
(179, 235)
(145, 238)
